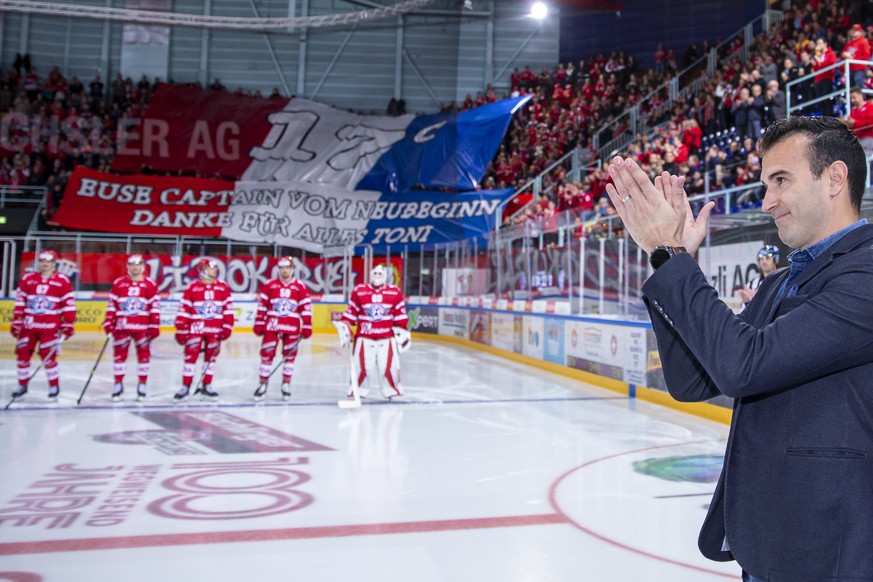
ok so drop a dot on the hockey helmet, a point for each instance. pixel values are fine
(48, 256)
(135, 260)
(378, 276)
(204, 264)
(285, 262)
(770, 252)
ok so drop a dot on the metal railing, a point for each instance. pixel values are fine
(7, 266)
(839, 97)
(21, 195)
(587, 261)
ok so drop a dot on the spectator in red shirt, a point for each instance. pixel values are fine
(858, 48)
(860, 119)
(824, 80)
(692, 135)
(515, 79)
(660, 58)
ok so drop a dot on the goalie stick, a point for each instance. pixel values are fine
(356, 401)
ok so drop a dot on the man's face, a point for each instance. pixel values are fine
(767, 264)
(46, 267)
(857, 99)
(285, 273)
(796, 201)
(209, 273)
(134, 270)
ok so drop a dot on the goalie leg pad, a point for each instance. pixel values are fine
(364, 359)
(391, 371)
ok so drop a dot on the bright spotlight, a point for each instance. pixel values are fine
(539, 10)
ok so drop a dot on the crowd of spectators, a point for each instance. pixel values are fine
(51, 123)
(709, 136)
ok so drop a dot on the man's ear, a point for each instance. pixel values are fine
(838, 178)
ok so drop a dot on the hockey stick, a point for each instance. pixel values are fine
(356, 403)
(91, 375)
(51, 353)
(281, 361)
(199, 388)
(207, 365)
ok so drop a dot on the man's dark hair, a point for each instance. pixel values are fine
(829, 141)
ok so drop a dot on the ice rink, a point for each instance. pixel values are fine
(488, 470)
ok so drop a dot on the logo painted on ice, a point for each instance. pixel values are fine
(169, 442)
(108, 496)
(188, 432)
(694, 468)
(233, 491)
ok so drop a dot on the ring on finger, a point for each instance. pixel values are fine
(626, 198)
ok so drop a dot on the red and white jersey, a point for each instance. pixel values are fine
(376, 311)
(205, 308)
(134, 305)
(44, 303)
(285, 307)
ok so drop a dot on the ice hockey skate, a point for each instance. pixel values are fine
(182, 394)
(208, 393)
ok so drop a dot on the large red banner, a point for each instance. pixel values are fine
(145, 204)
(198, 130)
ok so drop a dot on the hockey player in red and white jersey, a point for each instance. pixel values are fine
(379, 312)
(133, 313)
(44, 313)
(284, 314)
(204, 320)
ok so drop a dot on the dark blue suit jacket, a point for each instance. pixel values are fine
(795, 496)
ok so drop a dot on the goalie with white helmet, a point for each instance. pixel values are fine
(377, 311)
